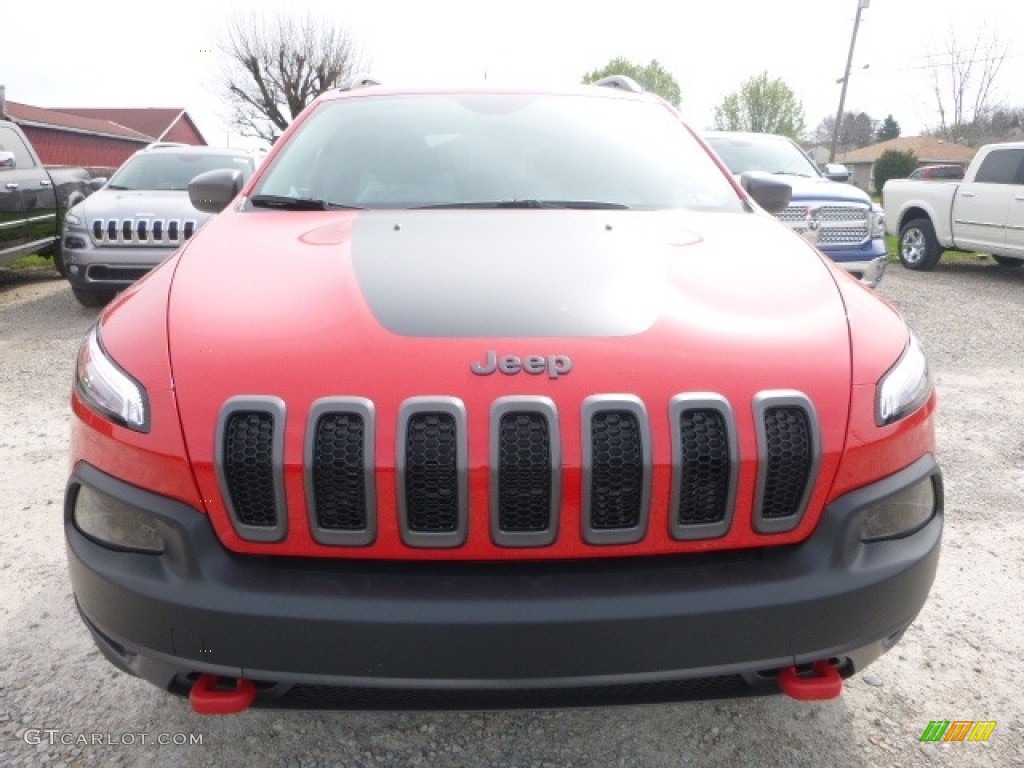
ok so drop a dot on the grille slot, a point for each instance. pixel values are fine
(616, 469)
(525, 466)
(249, 460)
(340, 487)
(432, 472)
(789, 454)
(705, 465)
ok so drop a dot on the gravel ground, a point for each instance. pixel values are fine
(62, 704)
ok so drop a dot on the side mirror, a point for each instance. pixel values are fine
(768, 192)
(211, 192)
(7, 162)
(837, 172)
(96, 183)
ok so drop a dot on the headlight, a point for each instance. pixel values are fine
(877, 223)
(70, 218)
(906, 386)
(107, 389)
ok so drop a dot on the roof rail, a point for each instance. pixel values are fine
(358, 80)
(165, 145)
(620, 81)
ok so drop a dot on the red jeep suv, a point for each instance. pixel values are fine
(485, 397)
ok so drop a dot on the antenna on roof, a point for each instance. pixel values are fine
(620, 81)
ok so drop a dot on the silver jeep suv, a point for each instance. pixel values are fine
(119, 233)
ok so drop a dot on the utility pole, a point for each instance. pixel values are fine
(861, 5)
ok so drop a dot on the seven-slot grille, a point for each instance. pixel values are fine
(525, 468)
(838, 224)
(142, 232)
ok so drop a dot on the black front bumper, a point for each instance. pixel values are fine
(443, 628)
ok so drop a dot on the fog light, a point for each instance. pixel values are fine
(902, 513)
(115, 524)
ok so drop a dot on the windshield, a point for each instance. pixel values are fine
(769, 154)
(516, 150)
(163, 170)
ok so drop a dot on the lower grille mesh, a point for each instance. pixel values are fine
(524, 472)
(249, 466)
(789, 460)
(616, 485)
(705, 468)
(431, 476)
(339, 475)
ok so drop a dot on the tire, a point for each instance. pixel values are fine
(1008, 262)
(58, 260)
(91, 298)
(919, 248)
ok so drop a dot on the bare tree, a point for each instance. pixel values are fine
(277, 65)
(963, 84)
(855, 131)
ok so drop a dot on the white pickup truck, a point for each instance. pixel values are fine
(983, 212)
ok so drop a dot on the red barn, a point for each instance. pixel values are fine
(98, 138)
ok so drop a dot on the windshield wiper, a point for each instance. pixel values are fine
(574, 204)
(285, 203)
(117, 186)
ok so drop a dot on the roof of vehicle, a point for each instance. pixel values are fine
(616, 86)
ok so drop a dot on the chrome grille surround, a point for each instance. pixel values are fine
(142, 232)
(635, 410)
(271, 476)
(359, 475)
(700, 491)
(432, 478)
(500, 493)
(771, 464)
(838, 224)
(413, 472)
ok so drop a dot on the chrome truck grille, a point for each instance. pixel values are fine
(525, 468)
(160, 233)
(835, 224)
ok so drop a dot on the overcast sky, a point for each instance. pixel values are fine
(109, 53)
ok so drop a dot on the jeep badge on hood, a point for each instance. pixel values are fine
(554, 365)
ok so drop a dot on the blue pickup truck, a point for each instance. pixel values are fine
(840, 219)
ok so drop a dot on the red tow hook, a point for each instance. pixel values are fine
(822, 682)
(207, 699)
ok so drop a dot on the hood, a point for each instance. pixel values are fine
(807, 188)
(165, 205)
(388, 305)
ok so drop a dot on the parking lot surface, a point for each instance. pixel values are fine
(62, 704)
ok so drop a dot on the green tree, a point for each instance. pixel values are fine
(889, 129)
(893, 165)
(762, 105)
(653, 77)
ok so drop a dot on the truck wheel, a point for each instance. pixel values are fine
(919, 248)
(1007, 261)
(91, 298)
(58, 260)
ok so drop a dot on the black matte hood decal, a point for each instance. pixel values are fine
(510, 273)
